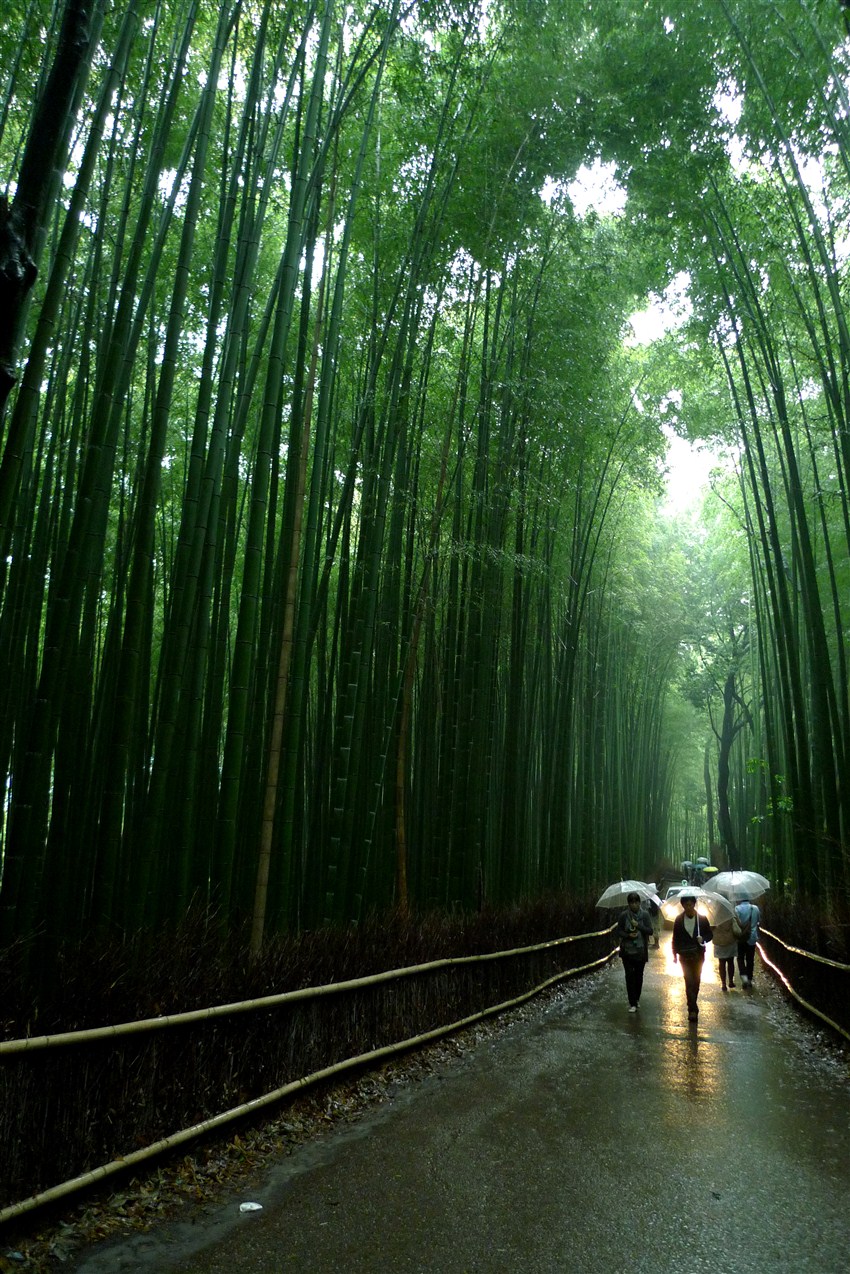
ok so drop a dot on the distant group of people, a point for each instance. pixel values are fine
(729, 945)
(734, 938)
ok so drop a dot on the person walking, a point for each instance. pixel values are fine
(654, 911)
(747, 915)
(691, 932)
(725, 950)
(634, 929)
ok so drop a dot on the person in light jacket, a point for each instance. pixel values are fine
(652, 909)
(634, 929)
(748, 918)
(691, 932)
(725, 951)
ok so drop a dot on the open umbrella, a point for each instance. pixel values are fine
(739, 884)
(617, 894)
(711, 905)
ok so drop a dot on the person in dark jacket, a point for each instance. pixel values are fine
(634, 929)
(690, 934)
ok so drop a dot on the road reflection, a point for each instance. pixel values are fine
(692, 1061)
(691, 1068)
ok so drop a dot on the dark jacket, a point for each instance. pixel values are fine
(633, 929)
(686, 946)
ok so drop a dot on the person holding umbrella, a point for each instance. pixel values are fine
(634, 929)
(747, 917)
(691, 932)
(725, 950)
(742, 887)
(652, 907)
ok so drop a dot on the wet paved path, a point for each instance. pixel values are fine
(583, 1141)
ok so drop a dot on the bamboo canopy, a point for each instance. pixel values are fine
(337, 574)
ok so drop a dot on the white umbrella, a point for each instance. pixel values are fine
(616, 895)
(711, 905)
(738, 885)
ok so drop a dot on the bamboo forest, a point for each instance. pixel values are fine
(345, 350)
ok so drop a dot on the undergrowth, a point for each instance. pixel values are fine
(67, 1110)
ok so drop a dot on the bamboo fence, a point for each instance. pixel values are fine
(792, 991)
(245, 1109)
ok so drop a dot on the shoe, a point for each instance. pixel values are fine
(723, 986)
(633, 1008)
(731, 983)
(745, 981)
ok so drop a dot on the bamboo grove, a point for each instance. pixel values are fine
(333, 577)
(771, 284)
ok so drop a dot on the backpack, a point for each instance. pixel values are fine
(741, 928)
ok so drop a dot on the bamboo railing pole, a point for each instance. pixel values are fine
(810, 1008)
(810, 955)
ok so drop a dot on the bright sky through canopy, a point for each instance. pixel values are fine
(688, 468)
(593, 188)
(597, 187)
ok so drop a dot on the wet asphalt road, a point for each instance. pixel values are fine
(585, 1140)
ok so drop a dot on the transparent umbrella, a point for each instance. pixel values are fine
(711, 905)
(737, 885)
(617, 894)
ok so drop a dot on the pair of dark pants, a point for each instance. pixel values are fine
(727, 968)
(692, 973)
(746, 959)
(633, 970)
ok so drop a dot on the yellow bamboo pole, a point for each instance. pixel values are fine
(96, 1175)
(36, 1042)
(810, 955)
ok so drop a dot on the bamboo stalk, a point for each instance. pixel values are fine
(286, 1090)
(38, 1042)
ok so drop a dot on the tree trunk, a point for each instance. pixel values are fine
(728, 732)
(23, 223)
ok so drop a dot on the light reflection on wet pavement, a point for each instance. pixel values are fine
(582, 1140)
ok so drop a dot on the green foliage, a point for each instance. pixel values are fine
(333, 476)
